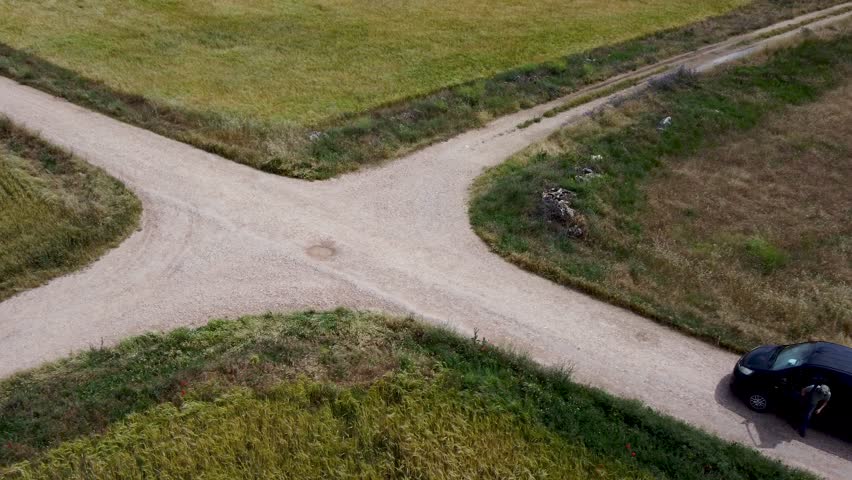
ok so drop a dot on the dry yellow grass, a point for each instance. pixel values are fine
(761, 227)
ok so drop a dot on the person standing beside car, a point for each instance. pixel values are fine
(814, 399)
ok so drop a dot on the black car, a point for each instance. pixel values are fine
(771, 377)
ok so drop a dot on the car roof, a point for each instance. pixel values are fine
(833, 356)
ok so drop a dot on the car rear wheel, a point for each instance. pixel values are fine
(758, 401)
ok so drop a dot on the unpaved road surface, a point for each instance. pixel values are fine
(220, 240)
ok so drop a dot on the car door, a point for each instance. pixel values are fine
(836, 417)
(789, 384)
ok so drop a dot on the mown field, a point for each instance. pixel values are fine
(337, 395)
(314, 88)
(732, 223)
(305, 61)
(57, 213)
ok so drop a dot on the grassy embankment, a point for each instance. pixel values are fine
(337, 395)
(732, 224)
(314, 89)
(57, 213)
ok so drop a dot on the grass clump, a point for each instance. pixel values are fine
(248, 83)
(337, 395)
(57, 213)
(728, 222)
(768, 257)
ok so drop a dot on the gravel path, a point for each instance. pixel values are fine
(220, 239)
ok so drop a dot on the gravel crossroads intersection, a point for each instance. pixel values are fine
(219, 239)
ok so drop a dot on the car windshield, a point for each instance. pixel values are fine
(792, 356)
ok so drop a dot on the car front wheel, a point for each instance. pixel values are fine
(758, 402)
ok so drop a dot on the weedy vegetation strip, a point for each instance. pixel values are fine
(338, 394)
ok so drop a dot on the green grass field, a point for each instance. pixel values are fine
(315, 88)
(337, 395)
(302, 62)
(57, 213)
(732, 224)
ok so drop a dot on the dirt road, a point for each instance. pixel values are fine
(220, 239)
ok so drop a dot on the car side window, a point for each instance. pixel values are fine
(792, 356)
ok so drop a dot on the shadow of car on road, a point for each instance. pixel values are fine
(768, 430)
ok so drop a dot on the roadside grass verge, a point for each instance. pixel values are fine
(57, 213)
(338, 394)
(333, 128)
(731, 224)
